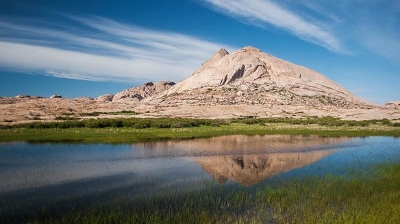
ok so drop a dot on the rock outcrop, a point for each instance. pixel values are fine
(105, 98)
(141, 92)
(393, 105)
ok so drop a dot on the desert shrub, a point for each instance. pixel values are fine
(98, 123)
(161, 125)
(250, 121)
(6, 126)
(386, 122)
(65, 118)
(298, 121)
(95, 113)
(352, 123)
(124, 112)
(364, 123)
(179, 125)
(72, 124)
(117, 123)
(65, 125)
(330, 121)
(142, 124)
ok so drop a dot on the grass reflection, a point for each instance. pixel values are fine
(370, 197)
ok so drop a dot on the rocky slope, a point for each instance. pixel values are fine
(251, 77)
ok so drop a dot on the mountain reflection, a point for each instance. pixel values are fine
(237, 144)
(251, 169)
(246, 159)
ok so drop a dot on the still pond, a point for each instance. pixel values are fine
(55, 178)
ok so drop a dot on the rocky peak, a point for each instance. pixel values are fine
(250, 48)
(216, 57)
(257, 75)
(222, 52)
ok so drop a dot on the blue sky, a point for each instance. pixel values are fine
(88, 48)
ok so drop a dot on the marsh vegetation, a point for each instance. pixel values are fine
(139, 123)
(126, 130)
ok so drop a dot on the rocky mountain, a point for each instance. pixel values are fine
(245, 83)
(251, 77)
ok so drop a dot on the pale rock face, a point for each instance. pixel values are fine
(249, 67)
(141, 92)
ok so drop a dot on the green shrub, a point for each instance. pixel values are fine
(386, 122)
(92, 114)
(65, 118)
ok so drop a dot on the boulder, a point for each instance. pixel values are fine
(105, 98)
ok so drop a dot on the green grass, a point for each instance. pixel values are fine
(370, 197)
(140, 130)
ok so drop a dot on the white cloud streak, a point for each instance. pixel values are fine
(267, 12)
(103, 50)
(342, 26)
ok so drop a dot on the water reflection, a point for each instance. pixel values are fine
(247, 159)
(243, 159)
(238, 144)
(251, 169)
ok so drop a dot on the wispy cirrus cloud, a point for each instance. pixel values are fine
(340, 26)
(263, 13)
(99, 49)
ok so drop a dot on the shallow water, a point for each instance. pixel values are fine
(43, 175)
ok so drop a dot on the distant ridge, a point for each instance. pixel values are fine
(138, 93)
